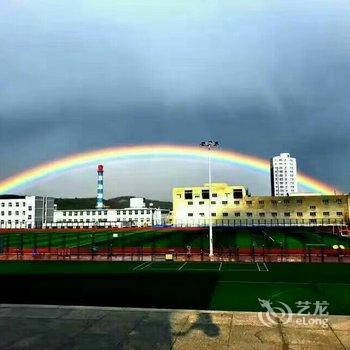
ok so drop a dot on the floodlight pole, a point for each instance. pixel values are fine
(209, 145)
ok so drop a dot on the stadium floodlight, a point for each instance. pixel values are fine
(209, 145)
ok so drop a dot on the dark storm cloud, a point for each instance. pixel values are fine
(261, 78)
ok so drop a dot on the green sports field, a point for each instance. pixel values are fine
(188, 285)
(244, 237)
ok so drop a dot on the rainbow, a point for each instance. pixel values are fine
(33, 175)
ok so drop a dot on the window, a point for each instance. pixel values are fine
(75, 213)
(64, 213)
(190, 214)
(325, 201)
(142, 212)
(312, 207)
(313, 213)
(23, 212)
(274, 214)
(81, 213)
(299, 201)
(88, 212)
(2, 213)
(105, 212)
(29, 217)
(236, 202)
(224, 214)
(213, 202)
(313, 221)
(10, 204)
(9, 213)
(326, 213)
(287, 214)
(190, 203)
(30, 208)
(249, 214)
(205, 194)
(339, 213)
(261, 202)
(249, 202)
(178, 195)
(224, 202)
(2, 204)
(17, 213)
(299, 213)
(262, 215)
(70, 213)
(213, 214)
(188, 194)
(274, 202)
(237, 214)
(286, 201)
(201, 214)
(338, 201)
(237, 193)
(17, 204)
(214, 195)
(201, 202)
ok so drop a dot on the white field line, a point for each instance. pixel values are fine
(147, 265)
(220, 266)
(267, 270)
(138, 266)
(182, 266)
(257, 264)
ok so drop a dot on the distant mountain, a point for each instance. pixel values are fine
(113, 203)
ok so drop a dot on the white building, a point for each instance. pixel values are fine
(25, 211)
(283, 175)
(136, 215)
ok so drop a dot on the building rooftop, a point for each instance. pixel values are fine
(11, 196)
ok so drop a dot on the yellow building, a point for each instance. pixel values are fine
(233, 205)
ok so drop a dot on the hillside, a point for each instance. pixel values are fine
(113, 203)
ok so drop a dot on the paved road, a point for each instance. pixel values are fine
(56, 327)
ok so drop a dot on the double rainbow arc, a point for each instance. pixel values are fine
(42, 171)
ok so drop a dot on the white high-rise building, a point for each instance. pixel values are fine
(283, 175)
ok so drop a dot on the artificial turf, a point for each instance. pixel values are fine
(215, 286)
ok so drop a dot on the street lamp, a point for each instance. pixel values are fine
(209, 145)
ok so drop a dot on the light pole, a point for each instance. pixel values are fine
(209, 145)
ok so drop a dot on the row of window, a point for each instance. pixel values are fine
(236, 193)
(104, 212)
(273, 202)
(105, 220)
(10, 222)
(273, 214)
(9, 213)
(9, 204)
(17, 204)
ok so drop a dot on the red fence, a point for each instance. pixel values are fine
(319, 255)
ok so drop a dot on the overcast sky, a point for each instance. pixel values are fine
(262, 77)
